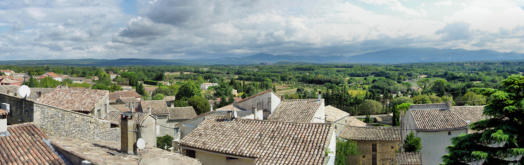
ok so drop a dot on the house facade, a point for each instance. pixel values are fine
(436, 125)
(87, 101)
(376, 145)
(226, 140)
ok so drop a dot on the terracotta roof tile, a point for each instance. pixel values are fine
(370, 133)
(181, 113)
(270, 142)
(73, 99)
(334, 114)
(436, 120)
(409, 158)
(158, 107)
(469, 114)
(113, 96)
(298, 110)
(25, 145)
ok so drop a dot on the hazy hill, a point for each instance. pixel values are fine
(389, 56)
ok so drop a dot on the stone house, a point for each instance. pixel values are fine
(53, 75)
(7, 72)
(205, 86)
(436, 125)
(229, 140)
(376, 145)
(114, 96)
(87, 101)
(170, 125)
(8, 81)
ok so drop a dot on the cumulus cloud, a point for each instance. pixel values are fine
(215, 28)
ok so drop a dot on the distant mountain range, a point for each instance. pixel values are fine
(389, 56)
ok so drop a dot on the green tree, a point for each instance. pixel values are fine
(33, 83)
(345, 148)
(140, 89)
(425, 84)
(498, 139)
(164, 142)
(422, 99)
(435, 99)
(412, 143)
(394, 103)
(440, 87)
(200, 104)
(188, 90)
(158, 96)
(471, 98)
(370, 107)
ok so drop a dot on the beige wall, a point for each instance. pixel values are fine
(148, 130)
(208, 158)
(386, 152)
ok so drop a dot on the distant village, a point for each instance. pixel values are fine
(72, 125)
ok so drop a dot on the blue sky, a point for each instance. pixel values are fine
(167, 29)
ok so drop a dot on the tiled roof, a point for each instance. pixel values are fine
(298, 110)
(258, 94)
(113, 117)
(469, 114)
(370, 133)
(270, 142)
(436, 120)
(3, 112)
(158, 107)
(128, 100)
(333, 113)
(409, 158)
(353, 121)
(50, 74)
(25, 145)
(37, 92)
(9, 89)
(120, 107)
(105, 152)
(429, 106)
(113, 96)
(74, 99)
(181, 113)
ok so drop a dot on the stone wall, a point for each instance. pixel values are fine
(21, 110)
(64, 123)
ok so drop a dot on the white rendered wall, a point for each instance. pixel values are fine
(434, 145)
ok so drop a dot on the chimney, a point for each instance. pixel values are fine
(319, 96)
(127, 133)
(231, 115)
(254, 113)
(3, 120)
(449, 104)
(210, 107)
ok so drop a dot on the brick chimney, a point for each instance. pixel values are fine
(127, 133)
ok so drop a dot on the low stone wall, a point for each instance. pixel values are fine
(64, 123)
(21, 110)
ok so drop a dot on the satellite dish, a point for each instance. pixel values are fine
(141, 144)
(24, 91)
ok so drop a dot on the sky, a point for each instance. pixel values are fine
(196, 29)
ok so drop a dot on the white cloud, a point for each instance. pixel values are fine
(191, 28)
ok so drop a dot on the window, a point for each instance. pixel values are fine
(191, 153)
(231, 158)
(374, 154)
(449, 132)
